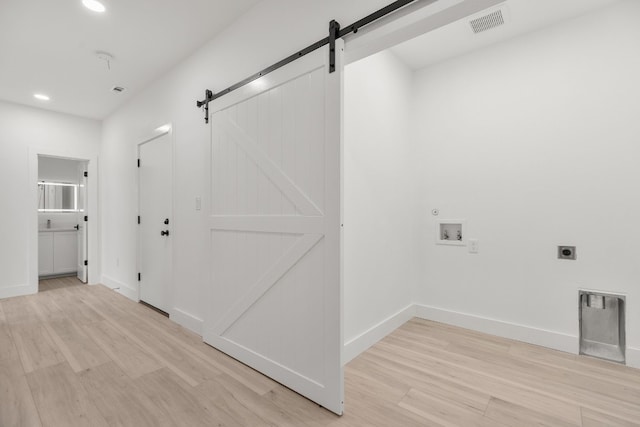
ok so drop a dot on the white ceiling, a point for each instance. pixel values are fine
(49, 46)
(522, 16)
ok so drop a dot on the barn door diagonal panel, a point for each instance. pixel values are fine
(284, 183)
(274, 298)
(276, 271)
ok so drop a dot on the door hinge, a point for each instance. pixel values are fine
(86, 262)
(138, 219)
(138, 162)
(86, 218)
(86, 174)
(139, 277)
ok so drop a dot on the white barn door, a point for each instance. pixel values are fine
(275, 297)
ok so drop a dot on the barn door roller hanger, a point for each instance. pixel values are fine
(335, 32)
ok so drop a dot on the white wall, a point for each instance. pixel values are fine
(57, 170)
(536, 143)
(531, 141)
(380, 200)
(24, 132)
(251, 43)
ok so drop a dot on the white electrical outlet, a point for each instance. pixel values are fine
(198, 203)
(474, 246)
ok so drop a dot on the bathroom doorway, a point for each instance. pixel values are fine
(62, 222)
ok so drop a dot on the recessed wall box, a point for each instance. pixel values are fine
(602, 325)
(451, 232)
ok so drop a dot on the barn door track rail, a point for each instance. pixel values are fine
(335, 32)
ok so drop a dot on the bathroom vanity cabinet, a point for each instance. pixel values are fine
(57, 251)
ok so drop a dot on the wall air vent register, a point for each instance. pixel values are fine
(487, 22)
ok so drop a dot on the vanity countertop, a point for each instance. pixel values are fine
(45, 230)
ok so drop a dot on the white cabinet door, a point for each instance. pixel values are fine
(274, 299)
(45, 253)
(65, 252)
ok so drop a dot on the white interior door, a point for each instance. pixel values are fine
(81, 223)
(275, 297)
(155, 220)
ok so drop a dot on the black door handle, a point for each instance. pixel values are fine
(164, 233)
(77, 226)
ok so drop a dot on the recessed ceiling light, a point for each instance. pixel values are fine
(164, 128)
(41, 96)
(94, 5)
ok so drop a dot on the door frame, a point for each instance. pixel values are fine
(83, 238)
(93, 242)
(166, 129)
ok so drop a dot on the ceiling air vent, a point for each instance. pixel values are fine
(117, 89)
(487, 22)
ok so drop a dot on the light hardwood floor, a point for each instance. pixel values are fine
(87, 356)
(57, 283)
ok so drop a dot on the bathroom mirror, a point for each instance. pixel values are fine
(57, 197)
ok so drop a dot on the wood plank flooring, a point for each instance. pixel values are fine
(77, 355)
(60, 282)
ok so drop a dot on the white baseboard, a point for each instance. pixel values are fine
(121, 288)
(181, 317)
(187, 320)
(550, 339)
(16, 291)
(362, 342)
(633, 357)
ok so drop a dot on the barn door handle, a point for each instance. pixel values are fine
(164, 233)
